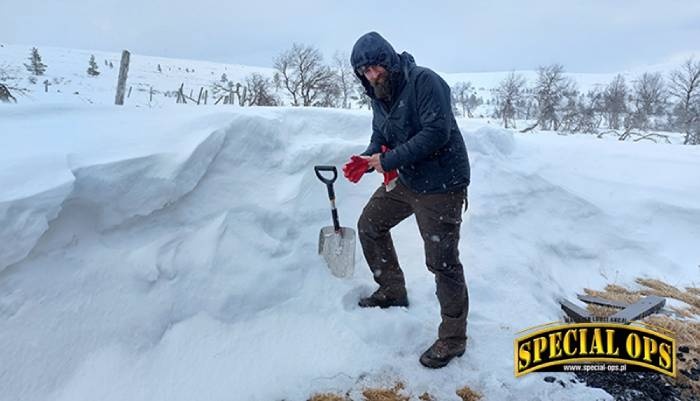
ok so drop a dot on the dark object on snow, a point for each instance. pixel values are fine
(442, 352)
(575, 312)
(633, 386)
(550, 379)
(5, 95)
(638, 310)
(601, 301)
(335, 243)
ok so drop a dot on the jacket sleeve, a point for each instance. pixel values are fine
(377, 140)
(434, 108)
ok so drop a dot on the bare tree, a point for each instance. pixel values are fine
(329, 93)
(5, 95)
(648, 100)
(463, 95)
(550, 90)
(508, 97)
(615, 101)
(570, 112)
(684, 85)
(259, 91)
(300, 70)
(360, 95)
(9, 79)
(345, 77)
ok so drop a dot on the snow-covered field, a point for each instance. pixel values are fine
(70, 82)
(170, 253)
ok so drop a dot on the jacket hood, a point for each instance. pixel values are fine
(372, 49)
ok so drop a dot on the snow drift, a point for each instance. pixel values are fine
(171, 253)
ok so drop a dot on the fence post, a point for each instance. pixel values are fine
(121, 83)
(201, 89)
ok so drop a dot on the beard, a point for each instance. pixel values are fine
(382, 88)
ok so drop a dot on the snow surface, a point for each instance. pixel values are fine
(170, 253)
(70, 83)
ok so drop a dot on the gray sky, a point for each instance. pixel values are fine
(449, 36)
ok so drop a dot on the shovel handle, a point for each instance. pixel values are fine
(323, 179)
(328, 181)
(331, 193)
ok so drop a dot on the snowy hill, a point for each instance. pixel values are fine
(170, 253)
(71, 84)
(67, 74)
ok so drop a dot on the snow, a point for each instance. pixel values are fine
(70, 83)
(170, 253)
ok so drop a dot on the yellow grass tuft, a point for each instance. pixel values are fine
(386, 394)
(467, 394)
(328, 397)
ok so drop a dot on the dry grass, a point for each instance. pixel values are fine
(467, 394)
(386, 394)
(396, 393)
(615, 293)
(328, 397)
(658, 287)
(684, 329)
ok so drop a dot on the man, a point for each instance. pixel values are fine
(412, 117)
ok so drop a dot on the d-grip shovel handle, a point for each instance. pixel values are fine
(318, 170)
(331, 192)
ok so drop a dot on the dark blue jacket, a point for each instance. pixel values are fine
(417, 125)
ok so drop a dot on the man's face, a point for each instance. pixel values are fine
(378, 77)
(375, 74)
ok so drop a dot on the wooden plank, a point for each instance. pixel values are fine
(589, 299)
(640, 309)
(575, 312)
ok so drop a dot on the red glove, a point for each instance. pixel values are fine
(355, 168)
(388, 175)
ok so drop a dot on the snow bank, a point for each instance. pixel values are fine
(172, 255)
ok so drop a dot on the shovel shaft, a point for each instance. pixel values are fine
(336, 222)
(331, 193)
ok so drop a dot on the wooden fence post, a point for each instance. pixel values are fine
(121, 83)
(199, 98)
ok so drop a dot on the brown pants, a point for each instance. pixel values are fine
(439, 217)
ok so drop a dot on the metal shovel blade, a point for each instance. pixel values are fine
(338, 250)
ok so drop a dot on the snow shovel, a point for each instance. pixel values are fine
(335, 243)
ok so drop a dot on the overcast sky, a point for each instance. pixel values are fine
(448, 36)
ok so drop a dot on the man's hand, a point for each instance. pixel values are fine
(374, 162)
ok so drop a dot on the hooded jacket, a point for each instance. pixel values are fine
(417, 124)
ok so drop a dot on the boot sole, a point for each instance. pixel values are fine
(382, 306)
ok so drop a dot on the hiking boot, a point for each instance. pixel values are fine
(380, 299)
(441, 353)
